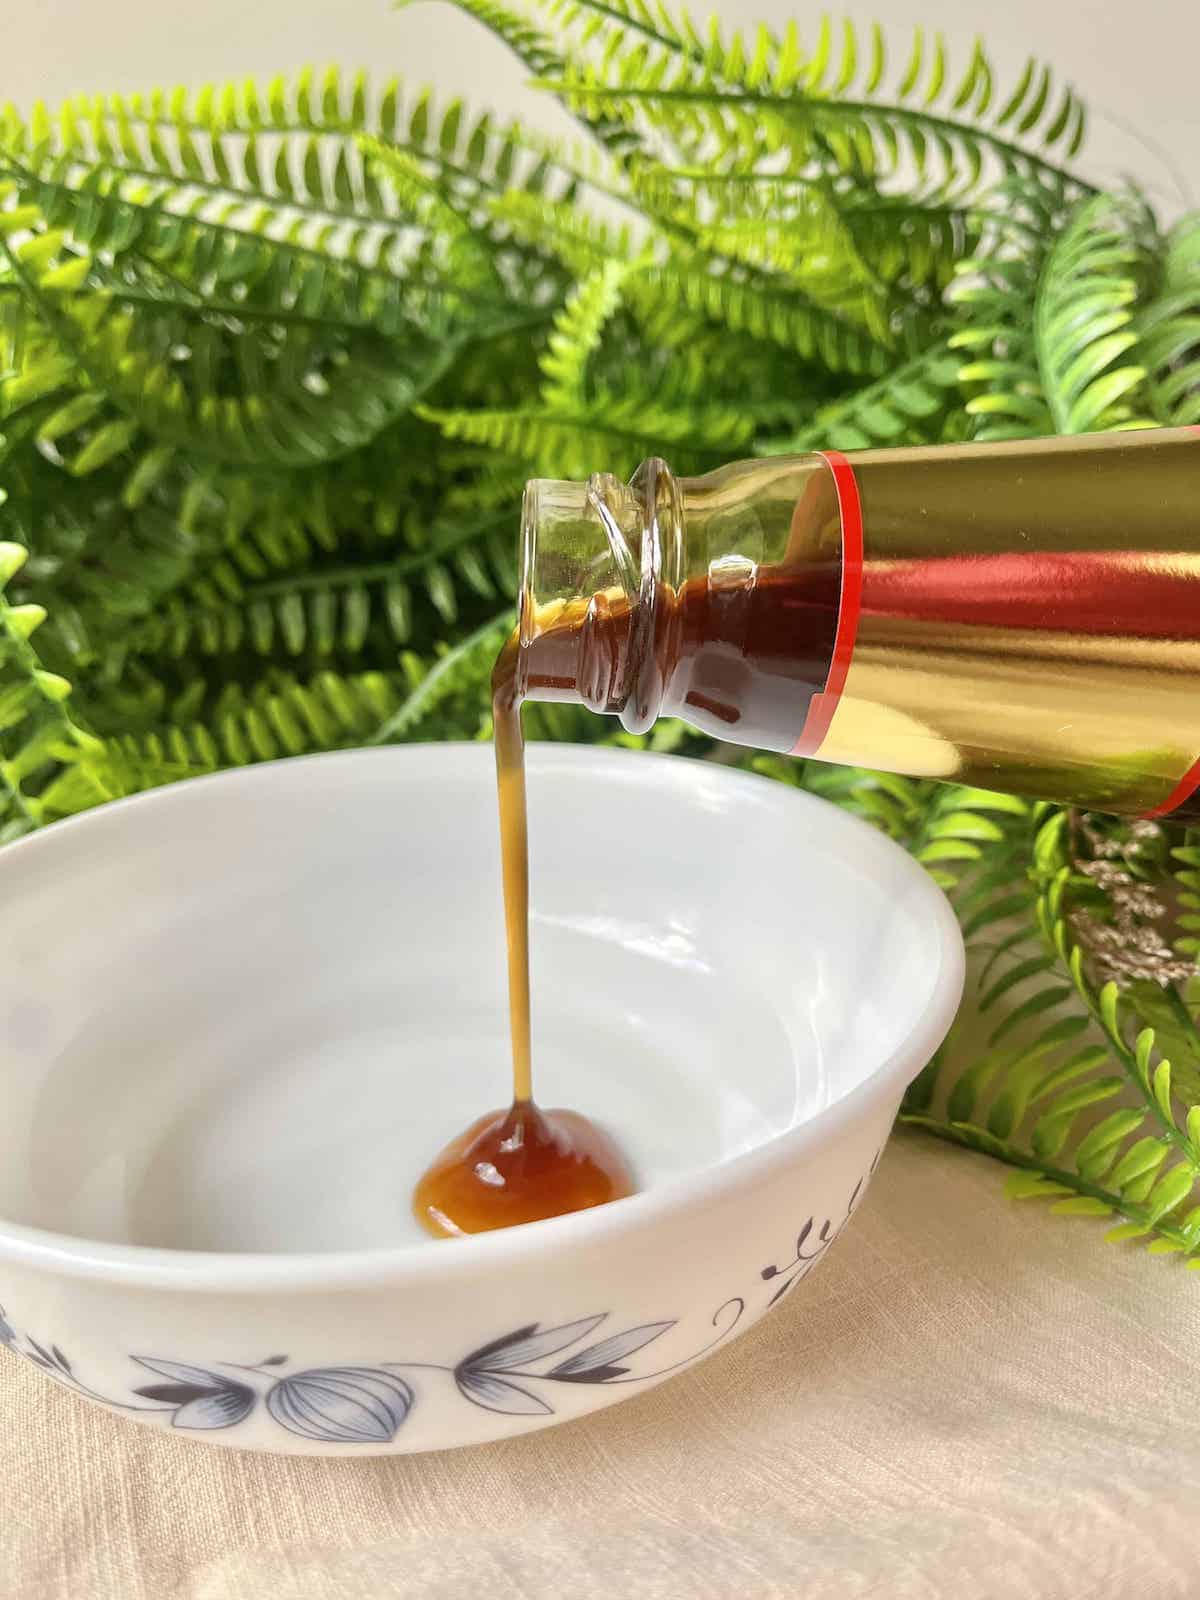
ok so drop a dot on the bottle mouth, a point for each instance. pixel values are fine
(591, 550)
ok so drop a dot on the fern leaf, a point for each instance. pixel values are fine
(468, 665)
(311, 398)
(1168, 330)
(752, 305)
(563, 441)
(911, 403)
(576, 334)
(279, 716)
(40, 740)
(1083, 318)
(995, 296)
(531, 47)
(719, 95)
(584, 243)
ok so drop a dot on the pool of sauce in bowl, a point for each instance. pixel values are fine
(523, 1164)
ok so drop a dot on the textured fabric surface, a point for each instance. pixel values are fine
(968, 1398)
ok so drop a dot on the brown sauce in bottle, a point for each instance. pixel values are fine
(522, 1164)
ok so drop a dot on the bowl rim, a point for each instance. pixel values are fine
(150, 1266)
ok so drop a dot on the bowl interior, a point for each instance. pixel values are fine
(242, 1013)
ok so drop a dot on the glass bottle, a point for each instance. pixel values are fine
(1021, 616)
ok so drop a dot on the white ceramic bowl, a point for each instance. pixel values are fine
(238, 1015)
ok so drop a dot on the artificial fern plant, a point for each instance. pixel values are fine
(275, 360)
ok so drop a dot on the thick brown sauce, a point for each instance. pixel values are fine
(517, 1166)
(522, 1164)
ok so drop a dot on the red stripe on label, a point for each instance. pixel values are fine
(1183, 790)
(822, 706)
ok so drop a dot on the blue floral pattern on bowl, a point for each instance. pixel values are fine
(514, 1374)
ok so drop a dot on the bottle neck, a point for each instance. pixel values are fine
(601, 565)
(715, 599)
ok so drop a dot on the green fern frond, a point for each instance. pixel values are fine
(911, 242)
(1169, 330)
(576, 334)
(810, 251)
(752, 98)
(285, 153)
(533, 48)
(893, 804)
(1051, 300)
(462, 672)
(621, 428)
(995, 298)
(1084, 313)
(40, 741)
(754, 306)
(330, 610)
(910, 404)
(1186, 866)
(582, 242)
(192, 376)
(193, 159)
(279, 716)
(1035, 1103)
(469, 261)
(907, 243)
(1169, 1014)
(702, 284)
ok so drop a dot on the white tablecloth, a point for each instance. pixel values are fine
(969, 1399)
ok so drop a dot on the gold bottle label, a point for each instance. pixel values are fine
(1023, 617)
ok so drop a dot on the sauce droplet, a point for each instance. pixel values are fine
(516, 1166)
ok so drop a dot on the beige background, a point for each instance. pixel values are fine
(970, 1399)
(1136, 63)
